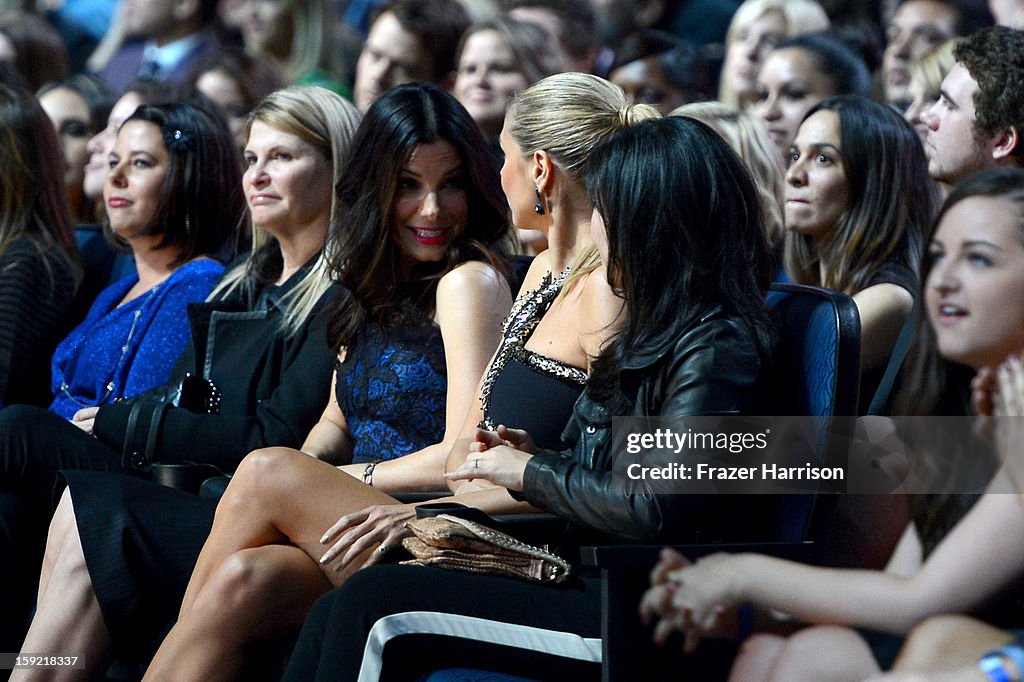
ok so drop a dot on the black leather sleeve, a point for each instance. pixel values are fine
(713, 369)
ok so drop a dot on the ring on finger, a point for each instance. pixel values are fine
(476, 463)
(383, 548)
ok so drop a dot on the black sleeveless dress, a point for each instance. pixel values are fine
(526, 390)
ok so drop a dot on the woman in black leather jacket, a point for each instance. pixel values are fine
(679, 230)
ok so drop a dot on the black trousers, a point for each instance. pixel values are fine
(34, 445)
(334, 635)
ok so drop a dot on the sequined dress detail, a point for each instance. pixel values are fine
(524, 372)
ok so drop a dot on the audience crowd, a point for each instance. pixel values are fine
(281, 280)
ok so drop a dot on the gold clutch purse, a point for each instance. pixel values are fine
(450, 542)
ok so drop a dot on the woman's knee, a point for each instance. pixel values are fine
(262, 476)
(824, 652)
(243, 582)
(951, 639)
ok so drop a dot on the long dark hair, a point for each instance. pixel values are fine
(201, 204)
(932, 385)
(685, 235)
(891, 200)
(32, 199)
(364, 255)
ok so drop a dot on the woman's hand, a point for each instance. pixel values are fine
(500, 464)
(656, 602)
(696, 599)
(85, 418)
(514, 438)
(983, 389)
(1007, 431)
(381, 525)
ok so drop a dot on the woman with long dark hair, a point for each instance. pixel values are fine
(694, 338)
(38, 258)
(845, 232)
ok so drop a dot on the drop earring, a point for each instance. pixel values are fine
(539, 208)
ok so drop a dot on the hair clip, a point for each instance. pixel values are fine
(178, 140)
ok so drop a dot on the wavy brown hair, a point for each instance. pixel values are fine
(365, 257)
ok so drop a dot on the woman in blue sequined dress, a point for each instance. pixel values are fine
(138, 326)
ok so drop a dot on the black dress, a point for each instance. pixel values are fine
(518, 378)
(141, 540)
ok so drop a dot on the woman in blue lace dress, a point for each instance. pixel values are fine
(138, 326)
(419, 206)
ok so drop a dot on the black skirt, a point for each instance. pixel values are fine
(141, 541)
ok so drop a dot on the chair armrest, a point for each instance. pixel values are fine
(414, 497)
(185, 476)
(213, 488)
(625, 557)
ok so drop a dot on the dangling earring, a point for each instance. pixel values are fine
(539, 208)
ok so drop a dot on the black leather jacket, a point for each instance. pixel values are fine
(713, 368)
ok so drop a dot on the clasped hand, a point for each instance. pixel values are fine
(498, 456)
(999, 393)
(696, 599)
(85, 418)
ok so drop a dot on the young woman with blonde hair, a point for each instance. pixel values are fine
(746, 135)
(756, 28)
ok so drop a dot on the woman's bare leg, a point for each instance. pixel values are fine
(68, 620)
(255, 595)
(62, 522)
(951, 641)
(756, 658)
(825, 653)
(280, 496)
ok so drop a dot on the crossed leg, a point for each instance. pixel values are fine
(261, 558)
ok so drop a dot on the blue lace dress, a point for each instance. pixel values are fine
(392, 386)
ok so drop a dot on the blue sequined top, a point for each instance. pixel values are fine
(118, 352)
(392, 387)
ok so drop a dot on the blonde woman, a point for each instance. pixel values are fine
(926, 76)
(747, 136)
(301, 38)
(756, 28)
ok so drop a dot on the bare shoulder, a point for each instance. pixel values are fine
(473, 283)
(598, 300)
(539, 266)
(600, 311)
(884, 299)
